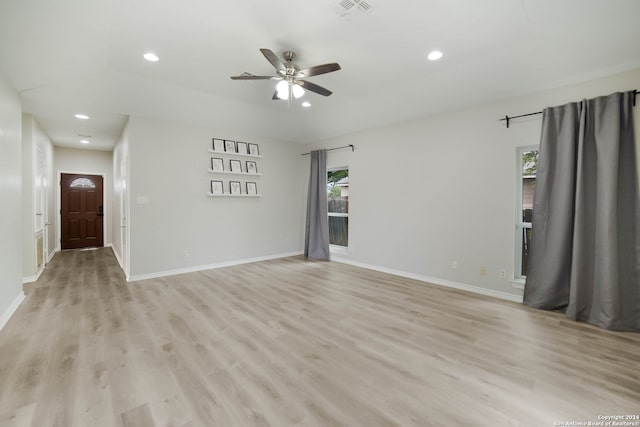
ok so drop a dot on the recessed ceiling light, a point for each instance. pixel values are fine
(434, 55)
(82, 116)
(151, 57)
(306, 104)
(84, 141)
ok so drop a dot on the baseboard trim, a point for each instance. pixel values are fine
(36, 276)
(11, 309)
(113, 249)
(50, 257)
(33, 278)
(434, 280)
(166, 273)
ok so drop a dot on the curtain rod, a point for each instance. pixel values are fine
(508, 118)
(336, 148)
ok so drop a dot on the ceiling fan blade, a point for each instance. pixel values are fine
(249, 76)
(275, 96)
(314, 87)
(319, 69)
(273, 59)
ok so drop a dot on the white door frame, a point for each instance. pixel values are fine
(124, 217)
(40, 172)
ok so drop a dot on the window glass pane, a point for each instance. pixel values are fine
(527, 175)
(338, 206)
(338, 230)
(82, 183)
(338, 191)
(529, 169)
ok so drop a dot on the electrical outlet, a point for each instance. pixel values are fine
(454, 265)
(186, 254)
(483, 271)
(502, 274)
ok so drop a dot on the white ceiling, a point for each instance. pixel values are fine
(69, 56)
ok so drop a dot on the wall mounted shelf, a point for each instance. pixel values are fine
(241, 169)
(233, 195)
(235, 173)
(226, 153)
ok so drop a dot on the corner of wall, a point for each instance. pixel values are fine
(10, 194)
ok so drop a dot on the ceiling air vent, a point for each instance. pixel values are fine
(348, 7)
(363, 5)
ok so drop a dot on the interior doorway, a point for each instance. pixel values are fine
(81, 211)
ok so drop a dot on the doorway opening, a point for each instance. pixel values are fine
(81, 211)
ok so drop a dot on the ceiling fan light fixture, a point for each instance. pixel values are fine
(297, 91)
(283, 90)
(290, 76)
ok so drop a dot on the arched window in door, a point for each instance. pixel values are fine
(82, 183)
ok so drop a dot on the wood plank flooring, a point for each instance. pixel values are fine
(295, 343)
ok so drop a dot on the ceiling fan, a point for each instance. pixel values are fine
(290, 76)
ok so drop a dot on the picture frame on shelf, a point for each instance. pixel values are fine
(241, 148)
(236, 165)
(217, 164)
(216, 187)
(254, 150)
(234, 187)
(229, 146)
(252, 189)
(218, 144)
(252, 167)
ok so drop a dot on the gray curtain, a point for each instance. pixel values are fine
(316, 240)
(585, 245)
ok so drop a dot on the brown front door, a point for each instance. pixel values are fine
(82, 212)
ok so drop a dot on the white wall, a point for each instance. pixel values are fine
(34, 138)
(10, 194)
(168, 168)
(69, 160)
(430, 191)
(120, 210)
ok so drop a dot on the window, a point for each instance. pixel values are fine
(82, 183)
(527, 167)
(338, 199)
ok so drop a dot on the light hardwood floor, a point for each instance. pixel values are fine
(295, 343)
